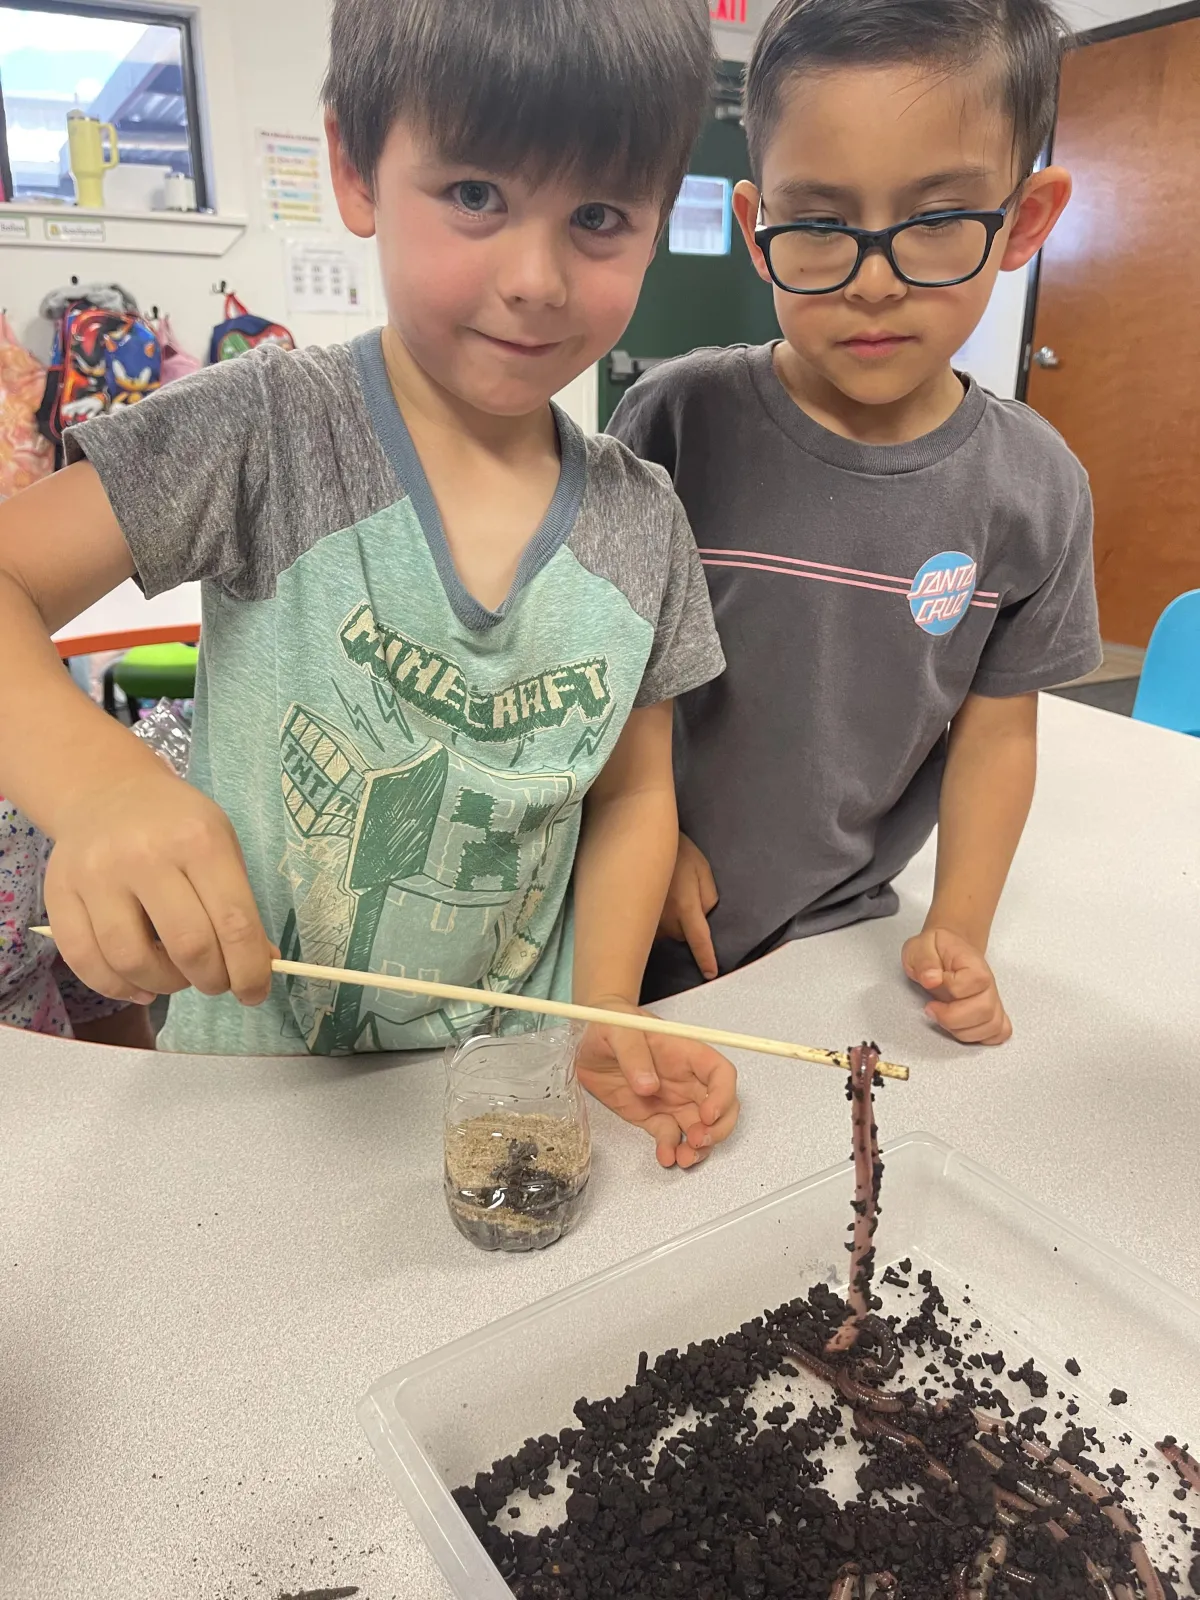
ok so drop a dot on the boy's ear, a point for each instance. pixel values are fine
(745, 208)
(1042, 203)
(355, 201)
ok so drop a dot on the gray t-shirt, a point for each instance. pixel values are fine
(405, 769)
(861, 593)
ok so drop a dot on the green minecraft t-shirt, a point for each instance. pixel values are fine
(404, 768)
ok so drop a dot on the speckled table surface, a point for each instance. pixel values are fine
(205, 1263)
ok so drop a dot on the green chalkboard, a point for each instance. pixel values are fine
(691, 300)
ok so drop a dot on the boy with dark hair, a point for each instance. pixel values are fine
(442, 630)
(891, 551)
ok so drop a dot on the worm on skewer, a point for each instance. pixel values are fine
(867, 1174)
(1187, 1468)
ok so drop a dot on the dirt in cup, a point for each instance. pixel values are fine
(514, 1180)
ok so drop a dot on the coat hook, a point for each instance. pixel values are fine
(220, 288)
(154, 312)
(74, 281)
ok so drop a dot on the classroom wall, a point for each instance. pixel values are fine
(262, 62)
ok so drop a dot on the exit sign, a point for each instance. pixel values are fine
(729, 11)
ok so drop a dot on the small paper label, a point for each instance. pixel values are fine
(72, 232)
(14, 227)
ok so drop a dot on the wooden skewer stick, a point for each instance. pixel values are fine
(641, 1023)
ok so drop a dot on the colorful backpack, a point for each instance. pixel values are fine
(25, 455)
(242, 331)
(103, 357)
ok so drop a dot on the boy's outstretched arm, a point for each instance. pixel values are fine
(136, 850)
(986, 793)
(684, 1094)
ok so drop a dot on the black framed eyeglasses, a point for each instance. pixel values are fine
(934, 251)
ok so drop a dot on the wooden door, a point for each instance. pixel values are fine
(1119, 309)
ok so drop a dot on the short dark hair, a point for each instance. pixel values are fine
(1026, 38)
(610, 91)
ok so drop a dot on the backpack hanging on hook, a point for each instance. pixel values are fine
(242, 331)
(105, 355)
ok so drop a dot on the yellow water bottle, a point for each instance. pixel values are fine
(85, 140)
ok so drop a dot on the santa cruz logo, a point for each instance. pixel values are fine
(942, 591)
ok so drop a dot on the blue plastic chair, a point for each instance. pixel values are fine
(1169, 691)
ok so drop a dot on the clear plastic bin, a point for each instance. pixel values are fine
(1048, 1290)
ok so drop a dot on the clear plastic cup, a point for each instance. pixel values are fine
(517, 1143)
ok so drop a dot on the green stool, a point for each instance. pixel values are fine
(153, 672)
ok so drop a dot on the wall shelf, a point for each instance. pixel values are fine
(169, 233)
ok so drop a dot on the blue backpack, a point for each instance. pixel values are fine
(242, 331)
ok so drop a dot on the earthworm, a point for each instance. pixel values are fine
(1187, 1468)
(810, 1363)
(1012, 1502)
(888, 1362)
(1098, 1579)
(867, 1174)
(876, 1427)
(1101, 1496)
(1044, 1502)
(992, 1460)
(987, 1563)
(1017, 1575)
(845, 1585)
(847, 1386)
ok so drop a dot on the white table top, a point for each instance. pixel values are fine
(206, 1263)
(126, 615)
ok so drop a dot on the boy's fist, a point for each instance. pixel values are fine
(692, 895)
(966, 1002)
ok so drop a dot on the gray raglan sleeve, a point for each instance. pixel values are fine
(186, 472)
(1052, 635)
(686, 651)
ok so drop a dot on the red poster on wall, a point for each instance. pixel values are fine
(728, 11)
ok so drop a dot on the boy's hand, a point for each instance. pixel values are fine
(150, 857)
(683, 1093)
(692, 895)
(966, 1002)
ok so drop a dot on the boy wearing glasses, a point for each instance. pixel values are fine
(442, 628)
(891, 551)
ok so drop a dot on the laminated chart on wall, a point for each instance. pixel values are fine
(291, 179)
(322, 275)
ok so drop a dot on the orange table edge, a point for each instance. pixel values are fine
(92, 644)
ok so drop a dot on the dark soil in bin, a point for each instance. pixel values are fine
(677, 1487)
